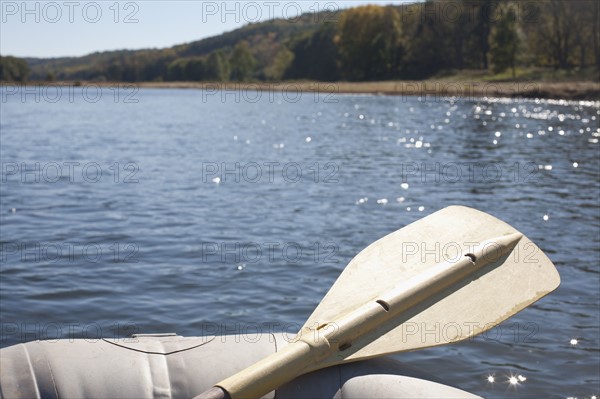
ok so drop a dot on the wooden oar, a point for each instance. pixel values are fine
(442, 279)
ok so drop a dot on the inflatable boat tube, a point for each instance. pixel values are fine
(171, 366)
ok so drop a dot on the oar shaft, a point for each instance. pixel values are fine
(270, 372)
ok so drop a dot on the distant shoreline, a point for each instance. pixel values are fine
(577, 90)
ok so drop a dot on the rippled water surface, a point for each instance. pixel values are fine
(185, 211)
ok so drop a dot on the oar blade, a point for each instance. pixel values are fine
(491, 295)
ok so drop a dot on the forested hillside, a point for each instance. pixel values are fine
(369, 43)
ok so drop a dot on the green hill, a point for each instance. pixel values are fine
(266, 41)
(368, 43)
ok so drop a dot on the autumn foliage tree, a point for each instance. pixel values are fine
(505, 42)
(368, 40)
(242, 62)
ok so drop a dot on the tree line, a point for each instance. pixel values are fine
(368, 43)
(13, 69)
(420, 40)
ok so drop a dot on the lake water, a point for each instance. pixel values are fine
(187, 211)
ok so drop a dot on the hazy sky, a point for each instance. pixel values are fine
(73, 27)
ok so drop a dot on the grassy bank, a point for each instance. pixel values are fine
(436, 88)
(463, 85)
(544, 83)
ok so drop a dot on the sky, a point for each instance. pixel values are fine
(73, 28)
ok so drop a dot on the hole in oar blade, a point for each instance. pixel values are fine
(472, 257)
(345, 346)
(384, 305)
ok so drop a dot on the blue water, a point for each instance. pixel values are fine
(191, 212)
